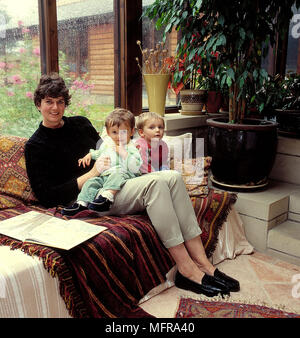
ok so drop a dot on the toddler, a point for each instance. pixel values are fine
(125, 161)
(153, 150)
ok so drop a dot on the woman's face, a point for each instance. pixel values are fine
(52, 110)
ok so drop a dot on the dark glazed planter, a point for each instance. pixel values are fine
(242, 154)
(289, 122)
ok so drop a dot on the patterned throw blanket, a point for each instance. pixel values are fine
(107, 275)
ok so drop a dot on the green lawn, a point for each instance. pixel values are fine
(25, 125)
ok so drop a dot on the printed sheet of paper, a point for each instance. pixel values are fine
(47, 230)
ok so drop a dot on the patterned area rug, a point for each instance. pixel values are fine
(192, 308)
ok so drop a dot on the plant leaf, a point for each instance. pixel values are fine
(230, 73)
(198, 4)
(242, 33)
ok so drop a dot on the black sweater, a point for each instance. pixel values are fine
(52, 159)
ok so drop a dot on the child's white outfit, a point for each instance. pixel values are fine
(113, 178)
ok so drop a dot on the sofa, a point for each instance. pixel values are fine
(111, 274)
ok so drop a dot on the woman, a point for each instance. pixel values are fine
(56, 179)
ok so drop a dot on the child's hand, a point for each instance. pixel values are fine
(102, 163)
(85, 161)
(120, 149)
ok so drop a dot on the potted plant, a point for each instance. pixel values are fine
(243, 150)
(190, 69)
(280, 98)
(288, 111)
(268, 97)
(214, 94)
(155, 70)
(189, 80)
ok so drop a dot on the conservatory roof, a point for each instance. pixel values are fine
(26, 11)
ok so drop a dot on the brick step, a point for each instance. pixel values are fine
(287, 163)
(294, 206)
(263, 211)
(284, 239)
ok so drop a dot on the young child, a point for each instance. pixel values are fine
(125, 161)
(153, 150)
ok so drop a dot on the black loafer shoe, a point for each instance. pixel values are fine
(187, 284)
(211, 281)
(232, 284)
(100, 204)
(73, 209)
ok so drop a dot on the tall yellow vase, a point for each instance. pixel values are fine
(156, 87)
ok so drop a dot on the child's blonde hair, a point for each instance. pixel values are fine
(119, 116)
(144, 117)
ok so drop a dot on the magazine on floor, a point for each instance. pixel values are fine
(36, 227)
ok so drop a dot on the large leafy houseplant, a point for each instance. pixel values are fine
(288, 109)
(278, 92)
(269, 96)
(291, 88)
(241, 31)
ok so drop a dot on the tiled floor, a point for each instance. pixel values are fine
(263, 279)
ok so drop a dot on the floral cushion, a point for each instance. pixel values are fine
(194, 171)
(180, 146)
(195, 174)
(13, 177)
(8, 202)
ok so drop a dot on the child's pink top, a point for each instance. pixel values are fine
(154, 159)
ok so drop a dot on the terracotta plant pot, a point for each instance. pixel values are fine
(214, 102)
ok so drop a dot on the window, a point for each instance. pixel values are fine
(151, 37)
(86, 56)
(19, 66)
(94, 50)
(285, 57)
(293, 49)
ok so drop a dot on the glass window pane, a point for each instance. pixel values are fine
(86, 56)
(19, 66)
(293, 52)
(151, 37)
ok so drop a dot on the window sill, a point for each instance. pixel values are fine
(177, 121)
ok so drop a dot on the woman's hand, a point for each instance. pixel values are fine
(100, 165)
(85, 161)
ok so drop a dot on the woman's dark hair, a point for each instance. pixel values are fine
(53, 86)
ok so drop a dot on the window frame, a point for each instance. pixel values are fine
(48, 36)
(127, 29)
(127, 77)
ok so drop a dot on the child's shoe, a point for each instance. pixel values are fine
(73, 209)
(100, 204)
